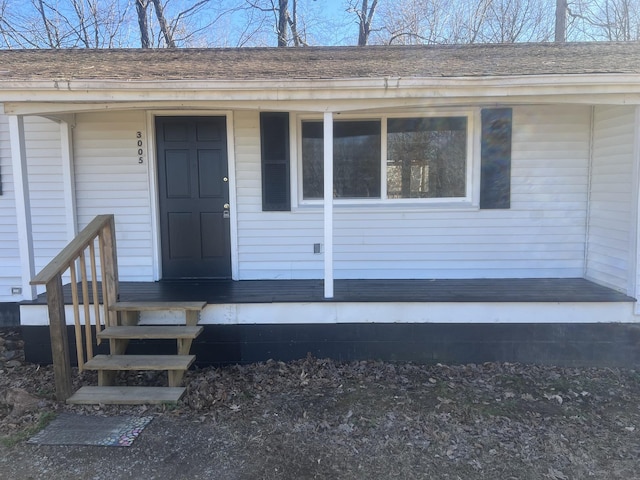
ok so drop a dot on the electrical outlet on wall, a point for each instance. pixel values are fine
(16, 291)
(317, 248)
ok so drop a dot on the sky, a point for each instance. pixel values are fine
(325, 21)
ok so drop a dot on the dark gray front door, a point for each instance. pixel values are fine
(193, 191)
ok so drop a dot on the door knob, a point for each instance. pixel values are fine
(226, 205)
(225, 179)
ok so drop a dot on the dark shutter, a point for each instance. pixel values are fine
(274, 143)
(495, 153)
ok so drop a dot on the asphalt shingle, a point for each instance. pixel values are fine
(321, 63)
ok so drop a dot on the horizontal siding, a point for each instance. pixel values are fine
(46, 194)
(109, 179)
(9, 249)
(275, 234)
(542, 235)
(609, 239)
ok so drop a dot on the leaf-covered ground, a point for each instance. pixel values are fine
(317, 418)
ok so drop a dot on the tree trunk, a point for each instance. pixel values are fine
(283, 16)
(141, 9)
(293, 24)
(365, 19)
(51, 37)
(164, 27)
(561, 21)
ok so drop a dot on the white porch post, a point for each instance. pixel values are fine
(328, 205)
(66, 153)
(23, 205)
(635, 243)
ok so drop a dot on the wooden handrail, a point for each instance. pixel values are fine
(73, 258)
(61, 262)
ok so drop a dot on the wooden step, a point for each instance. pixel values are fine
(151, 332)
(140, 362)
(156, 306)
(127, 395)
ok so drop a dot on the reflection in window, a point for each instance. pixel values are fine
(356, 159)
(426, 157)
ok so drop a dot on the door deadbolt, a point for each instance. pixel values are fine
(226, 205)
(225, 179)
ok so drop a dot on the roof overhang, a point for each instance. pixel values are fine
(316, 95)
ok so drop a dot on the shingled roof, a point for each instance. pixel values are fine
(321, 62)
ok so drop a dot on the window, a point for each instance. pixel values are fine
(427, 157)
(356, 159)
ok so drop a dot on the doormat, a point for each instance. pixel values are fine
(72, 429)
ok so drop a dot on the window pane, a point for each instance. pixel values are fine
(312, 160)
(426, 157)
(356, 159)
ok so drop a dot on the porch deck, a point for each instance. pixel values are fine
(556, 290)
(568, 321)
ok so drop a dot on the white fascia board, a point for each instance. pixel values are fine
(281, 90)
(354, 105)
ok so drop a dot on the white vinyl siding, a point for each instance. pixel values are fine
(542, 235)
(109, 179)
(611, 207)
(276, 245)
(44, 167)
(9, 251)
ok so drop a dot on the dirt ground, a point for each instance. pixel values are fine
(317, 418)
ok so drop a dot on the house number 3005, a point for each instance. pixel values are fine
(140, 149)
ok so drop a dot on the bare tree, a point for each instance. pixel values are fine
(467, 21)
(183, 23)
(610, 20)
(509, 21)
(408, 22)
(73, 23)
(284, 21)
(167, 33)
(364, 12)
(179, 23)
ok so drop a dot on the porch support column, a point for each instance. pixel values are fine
(68, 178)
(635, 241)
(328, 205)
(66, 124)
(23, 205)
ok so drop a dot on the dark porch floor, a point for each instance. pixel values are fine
(422, 291)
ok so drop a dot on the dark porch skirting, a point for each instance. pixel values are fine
(9, 314)
(588, 344)
(599, 344)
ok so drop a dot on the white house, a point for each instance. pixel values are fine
(485, 197)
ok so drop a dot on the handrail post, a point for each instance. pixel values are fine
(110, 270)
(59, 339)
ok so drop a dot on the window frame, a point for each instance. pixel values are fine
(469, 200)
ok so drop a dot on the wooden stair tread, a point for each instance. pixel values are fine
(156, 306)
(127, 395)
(151, 331)
(140, 362)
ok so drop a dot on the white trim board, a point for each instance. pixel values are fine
(22, 204)
(339, 312)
